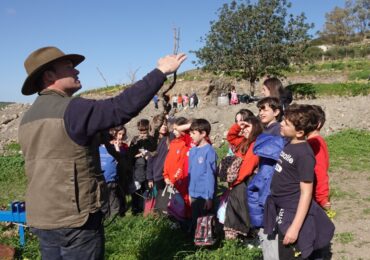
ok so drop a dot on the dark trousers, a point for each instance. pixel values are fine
(86, 242)
(116, 201)
(197, 210)
(137, 199)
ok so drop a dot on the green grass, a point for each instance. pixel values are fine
(344, 238)
(4, 104)
(349, 150)
(342, 89)
(337, 194)
(358, 75)
(12, 179)
(309, 90)
(328, 67)
(109, 90)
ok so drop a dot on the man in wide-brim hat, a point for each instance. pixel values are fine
(59, 140)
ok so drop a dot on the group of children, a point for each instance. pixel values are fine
(180, 101)
(278, 191)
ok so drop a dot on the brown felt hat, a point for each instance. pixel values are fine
(39, 60)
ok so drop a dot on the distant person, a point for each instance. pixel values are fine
(174, 101)
(166, 104)
(202, 171)
(186, 100)
(156, 100)
(272, 87)
(58, 136)
(179, 101)
(194, 100)
(234, 97)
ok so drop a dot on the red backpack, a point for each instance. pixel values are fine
(205, 231)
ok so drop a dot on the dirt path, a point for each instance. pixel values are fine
(352, 222)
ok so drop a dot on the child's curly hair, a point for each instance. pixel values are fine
(301, 117)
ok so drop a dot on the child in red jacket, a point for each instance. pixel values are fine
(242, 136)
(175, 171)
(320, 149)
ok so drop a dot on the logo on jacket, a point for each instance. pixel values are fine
(200, 160)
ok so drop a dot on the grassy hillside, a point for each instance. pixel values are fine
(355, 71)
(4, 104)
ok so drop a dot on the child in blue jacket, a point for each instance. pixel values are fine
(202, 170)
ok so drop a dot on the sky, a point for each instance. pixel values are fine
(117, 37)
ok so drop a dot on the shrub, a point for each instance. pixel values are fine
(308, 90)
(358, 75)
(302, 90)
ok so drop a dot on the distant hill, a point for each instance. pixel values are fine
(3, 104)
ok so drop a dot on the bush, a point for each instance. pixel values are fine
(358, 75)
(342, 89)
(302, 90)
(313, 53)
(308, 90)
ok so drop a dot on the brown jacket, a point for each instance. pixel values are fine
(65, 182)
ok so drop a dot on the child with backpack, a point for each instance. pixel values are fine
(202, 170)
(301, 223)
(237, 215)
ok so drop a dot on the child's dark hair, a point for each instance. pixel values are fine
(275, 86)
(301, 117)
(201, 125)
(181, 121)
(113, 131)
(244, 113)
(143, 124)
(320, 116)
(274, 103)
(257, 129)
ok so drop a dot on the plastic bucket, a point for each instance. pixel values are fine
(223, 101)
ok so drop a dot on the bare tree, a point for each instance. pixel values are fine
(101, 75)
(131, 74)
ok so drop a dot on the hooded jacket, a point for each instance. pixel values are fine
(268, 148)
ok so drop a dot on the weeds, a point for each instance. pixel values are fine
(344, 238)
(349, 150)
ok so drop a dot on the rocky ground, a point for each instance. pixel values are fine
(341, 113)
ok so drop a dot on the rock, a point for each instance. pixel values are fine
(341, 113)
